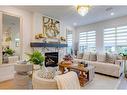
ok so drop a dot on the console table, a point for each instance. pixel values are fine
(85, 74)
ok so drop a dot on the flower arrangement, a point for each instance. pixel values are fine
(62, 38)
(67, 59)
(124, 55)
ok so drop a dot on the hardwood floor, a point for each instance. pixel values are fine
(10, 84)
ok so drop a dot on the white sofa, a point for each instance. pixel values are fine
(104, 63)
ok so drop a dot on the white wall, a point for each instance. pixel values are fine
(98, 27)
(0, 38)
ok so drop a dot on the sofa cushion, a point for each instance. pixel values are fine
(80, 55)
(86, 55)
(93, 56)
(119, 57)
(110, 58)
(101, 57)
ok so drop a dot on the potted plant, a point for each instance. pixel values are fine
(9, 52)
(124, 55)
(36, 58)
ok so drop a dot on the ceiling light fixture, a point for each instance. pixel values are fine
(112, 14)
(83, 9)
(74, 24)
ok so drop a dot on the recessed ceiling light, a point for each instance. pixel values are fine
(75, 24)
(112, 14)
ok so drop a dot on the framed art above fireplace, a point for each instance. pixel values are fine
(51, 27)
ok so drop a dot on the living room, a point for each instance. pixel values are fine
(46, 47)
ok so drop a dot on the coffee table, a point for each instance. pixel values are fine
(85, 74)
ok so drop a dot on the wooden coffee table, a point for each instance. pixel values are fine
(85, 74)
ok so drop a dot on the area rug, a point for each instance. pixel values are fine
(103, 82)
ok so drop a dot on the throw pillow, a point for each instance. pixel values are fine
(101, 57)
(80, 55)
(93, 56)
(119, 57)
(110, 58)
(86, 55)
(46, 74)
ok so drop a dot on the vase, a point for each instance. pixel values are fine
(36, 67)
(43, 68)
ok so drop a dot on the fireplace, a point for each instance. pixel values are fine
(51, 59)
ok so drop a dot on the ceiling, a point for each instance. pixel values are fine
(69, 16)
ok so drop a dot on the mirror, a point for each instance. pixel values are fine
(10, 39)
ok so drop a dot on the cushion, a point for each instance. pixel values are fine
(101, 57)
(93, 56)
(46, 74)
(119, 57)
(80, 55)
(110, 58)
(86, 55)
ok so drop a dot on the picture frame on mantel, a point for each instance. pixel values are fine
(51, 27)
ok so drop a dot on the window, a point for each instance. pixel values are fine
(109, 39)
(69, 42)
(87, 41)
(115, 39)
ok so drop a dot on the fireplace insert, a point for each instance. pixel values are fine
(51, 59)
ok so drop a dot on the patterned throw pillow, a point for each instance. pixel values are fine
(93, 56)
(110, 58)
(101, 57)
(86, 56)
(46, 74)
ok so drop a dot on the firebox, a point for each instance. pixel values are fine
(51, 59)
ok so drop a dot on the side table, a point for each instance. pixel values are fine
(21, 77)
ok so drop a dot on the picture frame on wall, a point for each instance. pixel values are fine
(51, 27)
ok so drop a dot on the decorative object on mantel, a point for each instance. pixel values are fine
(51, 27)
(40, 36)
(62, 39)
(37, 58)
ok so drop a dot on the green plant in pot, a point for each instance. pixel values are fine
(36, 58)
(124, 57)
(9, 51)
